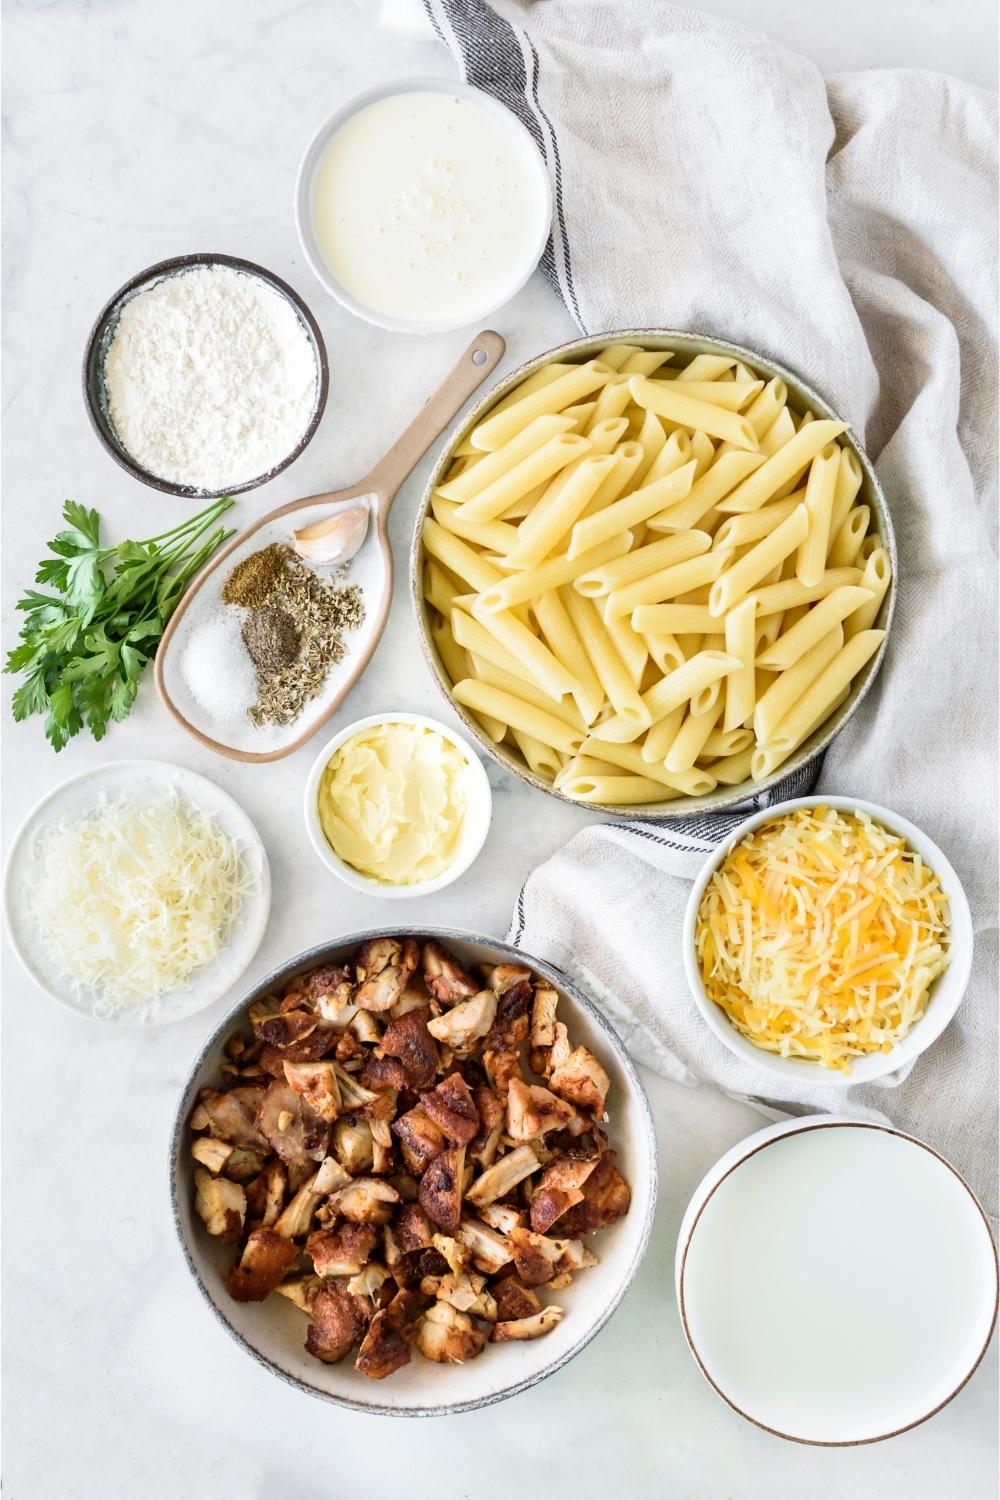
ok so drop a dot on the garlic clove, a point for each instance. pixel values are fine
(334, 540)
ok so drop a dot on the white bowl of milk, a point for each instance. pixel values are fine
(423, 205)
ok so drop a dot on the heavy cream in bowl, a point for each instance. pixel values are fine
(423, 206)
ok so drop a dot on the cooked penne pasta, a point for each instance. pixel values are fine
(611, 402)
(845, 546)
(497, 536)
(773, 597)
(484, 699)
(454, 658)
(664, 649)
(766, 408)
(785, 465)
(703, 453)
(846, 488)
(692, 782)
(875, 578)
(645, 361)
(733, 769)
(545, 760)
(817, 701)
(812, 627)
(439, 590)
(726, 742)
(742, 531)
(459, 559)
(487, 671)
(699, 672)
(666, 583)
(728, 470)
(615, 355)
(689, 741)
(810, 563)
(668, 401)
(470, 634)
(754, 565)
(556, 453)
(487, 467)
(781, 430)
(551, 574)
(706, 367)
(673, 619)
(788, 688)
(558, 510)
(569, 387)
(733, 395)
(629, 645)
(560, 635)
(617, 791)
(611, 671)
(623, 514)
(586, 765)
(641, 562)
(651, 437)
(741, 686)
(536, 659)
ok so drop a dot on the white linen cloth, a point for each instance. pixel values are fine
(707, 179)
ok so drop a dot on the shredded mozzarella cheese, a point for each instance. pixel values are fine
(820, 936)
(135, 897)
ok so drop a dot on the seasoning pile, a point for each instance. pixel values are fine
(267, 651)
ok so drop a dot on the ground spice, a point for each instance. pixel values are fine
(252, 581)
(272, 638)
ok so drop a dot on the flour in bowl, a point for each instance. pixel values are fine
(210, 377)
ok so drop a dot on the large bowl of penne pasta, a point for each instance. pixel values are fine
(653, 573)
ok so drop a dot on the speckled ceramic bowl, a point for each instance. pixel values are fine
(273, 1332)
(801, 397)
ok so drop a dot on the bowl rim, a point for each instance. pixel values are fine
(954, 979)
(422, 83)
(172, 266)
(481, 813)
(315, 955)
(724, 1168)
(721, 798)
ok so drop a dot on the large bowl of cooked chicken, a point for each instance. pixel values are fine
(414, 1172)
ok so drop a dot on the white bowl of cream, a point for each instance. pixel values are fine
(423, 205)
(397, 805)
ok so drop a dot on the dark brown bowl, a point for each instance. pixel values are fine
(95, 396)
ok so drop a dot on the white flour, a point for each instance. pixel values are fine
(211, 378)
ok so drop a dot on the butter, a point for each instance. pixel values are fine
(393, 802)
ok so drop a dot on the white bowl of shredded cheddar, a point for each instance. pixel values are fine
(828, 934)
(398, 805)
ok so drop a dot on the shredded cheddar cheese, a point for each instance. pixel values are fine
(820, 936)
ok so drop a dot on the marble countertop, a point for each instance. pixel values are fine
(136, 133)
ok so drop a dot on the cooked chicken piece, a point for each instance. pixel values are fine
(510, 1027)
(341, 1252)
(244, 1165)
(300, 1138)
(606, 1197)
(211, 1153)
(466, 1022)
(365, 1028)
(533, 1110)
(440, 1194)
(514, 1300)
(581, 1080)
(414, 997)
(448, 1336)
(539, 1259)
(492, 1110)
(468, 1293)
(557, 1283)
(454, 1254)
(412, 1228)
(199, 1115)
(382, 1156)
(338, 1007)
(405, 1185)
(338, 1322)
(221, 1205)
(501, 1216)
(558, 1188)
(383, 1350)
(266, 1258)
(383, 1073)
(330, 984)
(331, 1176)
(392, 1254)
(488, 1249)
(353, 1095)
(383, 968)
(353, 1145)
(528, 1328)
(560, 1049)
(266, 1194)
(501, 1066)
(405, 1311)
(317, 1083)
(232, 1116)
(419, 1137)
(410, 1041)
(368, 1200)
(368, 1282)
(272, 1059)
(296, 1217)
(543, 1015)
(284, 1028)
(504, 1175)
(301, 1290)
(444, 976)
(452, 1108)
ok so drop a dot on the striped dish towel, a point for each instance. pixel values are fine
(705, 178)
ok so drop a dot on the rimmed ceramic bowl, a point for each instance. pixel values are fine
(801, 397)
(477, 818)
(836, 1280)
(273, 1332)
(101, 335)
(946, 991)
(305, 186)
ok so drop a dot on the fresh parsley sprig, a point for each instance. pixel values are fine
(85, 644)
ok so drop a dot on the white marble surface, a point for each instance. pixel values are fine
(136, 132)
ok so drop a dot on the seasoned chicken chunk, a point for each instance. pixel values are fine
(266, 1258)
(539, 1259)
(338, 1322)
(409, 1040)
(440, 1194)
(606, 1197)
(220, 1204)
(285, 1120)
(232, 1116)
(581, 1080)
(211, 1153)
(444, 976)
(558, 1189)
(462, 1025)
(419, 1137)
(317, 1083)
(383, 968)
(341, 1252)
(533, 1110)
(368, 1200)
(383, 1350)
(528, 1328)
(448, 1336)
(514, 1300)
(452, 1108)
(504, 1175)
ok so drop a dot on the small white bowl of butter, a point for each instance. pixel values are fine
(423, 205)
(398, 805)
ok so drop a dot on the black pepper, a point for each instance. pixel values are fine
(272, 639)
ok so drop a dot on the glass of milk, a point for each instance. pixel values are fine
(423, 205)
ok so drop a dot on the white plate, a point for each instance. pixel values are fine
(837, 1280)
(80, 795)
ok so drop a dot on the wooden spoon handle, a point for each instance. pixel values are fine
(479, 360)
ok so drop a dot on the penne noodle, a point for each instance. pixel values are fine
(875, 578)
(628, 459)
(457, 557)
(741, 686)
(551, 574)
(490, 466)
(557, 511)
(812, 627)
(439, 591)
(562, 640)
(737, 581)
(454, 658)
(660, 736)
(645, 361)
(689, 741)
(871, 543)
(580, 415)
(693, 782)
(494, 729)
(846, 488)
(543, 759)
(733, 768)
(482, 698)
(673, 619)
(774, 597)
(699, 672)
(733, 395)
(726, 742)
(536, 659)
(487, 671)
(810, 563)
(629, 645)
(703, 453)
(780, 432)
(651, 438)
(611, 671)
(785, 465)
(617, 791)
(586, 765)
(668, 401)
(728, 470)
(625, 513)
(610, 404)
(742, 531)
(569, 387)
(676, 450)
(470, 634)
(767, 407)
(544, 375)
(816, 703)
(498, 536)
(641, 562)
(615, 355)
(666, 583)
(706, 367)
(554, 454)
(845, 546)
(664, 649)
(789, 687)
